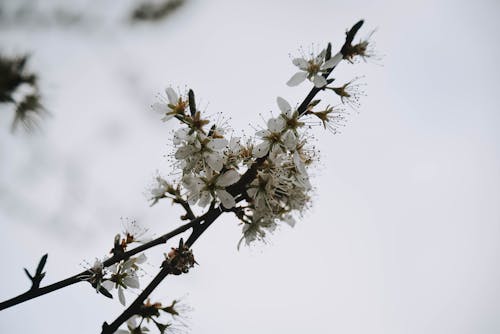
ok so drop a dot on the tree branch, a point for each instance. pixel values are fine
(34, 293)
(209, 217)
(213, 213)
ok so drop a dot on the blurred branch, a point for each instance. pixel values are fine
(20, 88)
(151, 11)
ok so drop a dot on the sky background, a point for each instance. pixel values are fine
(403, 233)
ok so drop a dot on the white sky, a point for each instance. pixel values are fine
(403, 235)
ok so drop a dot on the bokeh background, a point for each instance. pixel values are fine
(404, 233)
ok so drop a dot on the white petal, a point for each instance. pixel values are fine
(173, 98)
(141, 259)
(121, 296)
(319, 81)
(108, 285)
(214, 161)
(290, 140)
(262, 133)
(226, 198)
(301, 63)
(128, 264)
(193, 198)
(332, 62)
(234, 144)
(321, 56)
(275, 152)
(276, 124)
(299, 164)
(167, 117)
(297, 79)
(205, 199)
(283, 105)
(161, 108)
(180, 135)
(131, 281)
(290, 220)
(261, 150)
(228, 178)
(217, 144)
(183, 152)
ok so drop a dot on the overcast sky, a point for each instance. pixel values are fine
(403, 233)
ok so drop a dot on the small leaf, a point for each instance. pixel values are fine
(314, 103)
(192, 103)
(105, 292)
(328, 51)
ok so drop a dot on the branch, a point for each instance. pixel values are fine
(213, 213)
(209, 217)
(348, 41)
(37, 292)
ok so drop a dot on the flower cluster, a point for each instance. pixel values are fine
(120, 276)
(263, 180)
(151, 312)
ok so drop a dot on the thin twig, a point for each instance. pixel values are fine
(34, 293)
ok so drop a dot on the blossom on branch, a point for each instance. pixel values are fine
(313, 68)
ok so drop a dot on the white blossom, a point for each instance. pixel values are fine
(312, 68)
(204, 189)
(174, 106)
(124, 275)
(271, 136)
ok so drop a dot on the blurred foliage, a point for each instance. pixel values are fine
(151, 11)
(19, 87)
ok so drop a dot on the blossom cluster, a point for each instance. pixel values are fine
(119, 276)
(265, 179)
(123, 274)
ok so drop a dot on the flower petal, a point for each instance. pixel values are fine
(226, 198)
(173, 98)
(319, 81)
(121, 296)
(108, 285)
(301, 63)
(290, 140)
(228, 178)
(276, 124)
(283, 105)
(141, 259)
(217, 144)
(214, 161)
(297, 79)
(299, 164)
(183, 152)
(131, 281)
(261, 150)
(161, 108)
(332, 62)
(205, 199)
